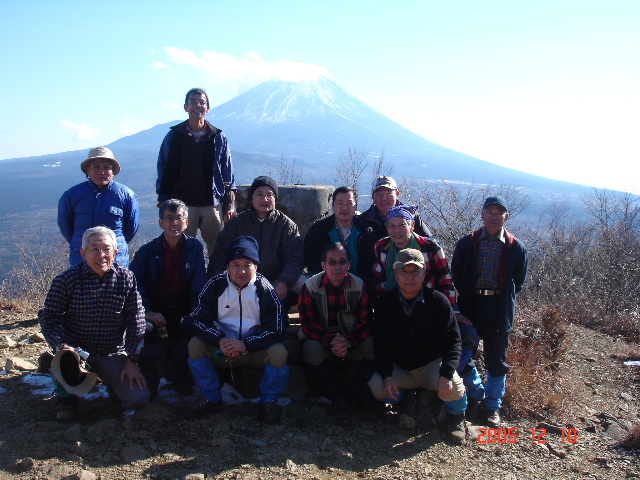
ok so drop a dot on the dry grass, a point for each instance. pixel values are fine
(538, 346)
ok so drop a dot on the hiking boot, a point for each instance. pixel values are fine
(200, 408)
(493, 418)
(67, 409)
(269, 413)
(456, 431)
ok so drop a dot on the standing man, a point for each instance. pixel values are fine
(417, 343)
(342, 227)
(95, 306)
(239, 321)
(489, 267)
(99, 201)
(170, 273)
(334, 316)
(194, 165)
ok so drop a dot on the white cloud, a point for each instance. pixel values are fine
(248, 68)
(158, 65)
(81, 131)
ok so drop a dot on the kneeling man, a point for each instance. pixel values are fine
(334, 316)
(94, 306)
(417, 343)
(239, 321)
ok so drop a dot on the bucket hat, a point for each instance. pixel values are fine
(68, 369)
(100, 152)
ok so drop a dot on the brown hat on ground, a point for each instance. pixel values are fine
(103, 153)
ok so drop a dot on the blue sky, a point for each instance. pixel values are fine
(547, 87)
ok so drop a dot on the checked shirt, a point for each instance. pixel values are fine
(100, 316)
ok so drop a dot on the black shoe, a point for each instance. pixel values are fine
(455, 427)
(269, 413)
(201, 407)
(493, 418)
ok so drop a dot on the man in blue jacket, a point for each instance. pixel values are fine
(239, 321)
(489, 268)
(170, 273)
(100, 201)
(194, 165)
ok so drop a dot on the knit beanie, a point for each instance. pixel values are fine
(262, 182)
(243, 247)
(407, 212)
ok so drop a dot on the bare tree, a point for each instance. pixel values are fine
(380, 167)
(351, 166)
(286, 172)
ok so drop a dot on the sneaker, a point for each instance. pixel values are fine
(201, 407)
(493, 418)
(269, 413)
(456, 431)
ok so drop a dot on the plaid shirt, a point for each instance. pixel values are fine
(489, 255)
(100, 316)
(310, 320)
(438, 276)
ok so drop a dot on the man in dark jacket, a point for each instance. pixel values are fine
(489, 267)
(194, 165)
(170, 273)
(239, 321)
(416, 343)
(343, 226)
(279, 242)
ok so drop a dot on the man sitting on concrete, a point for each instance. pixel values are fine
(239, 321)
(279, 241)
(417, 343)
(334, 316)
(94, 306)
(170, 273)
(342, 226)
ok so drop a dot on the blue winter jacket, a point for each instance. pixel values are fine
(84, 206)
(147, 266)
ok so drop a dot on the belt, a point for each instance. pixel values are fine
(480, 291)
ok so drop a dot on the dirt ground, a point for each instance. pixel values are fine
(159, 443)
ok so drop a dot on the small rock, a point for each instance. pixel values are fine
(36, 337)
(195, 476)
(83, 475)
(251, 476)
(291, 466)
(627, 397)
(15, 363)
(24, 337)
(557, 451)
(152, 411)
(26, 464)
(616, 431)
(72, 457)
(406, 422)
(133, 454)
(590, 359)
(7, 342)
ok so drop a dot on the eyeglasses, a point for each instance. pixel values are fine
(341, 262)
(495, 215)
(197, 103)
(268, 196)
(377, 194)
(96, 250)
(409, 274)
(106, 166)
(178, 219)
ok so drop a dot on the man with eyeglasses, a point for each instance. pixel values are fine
(170, 273)
(99, 201)
(342, 226)
(334, 318)
(417, 343)
(94, 306)
(489, 268)
(194, 165)
(281, 253)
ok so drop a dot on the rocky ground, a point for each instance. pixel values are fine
(159, 443)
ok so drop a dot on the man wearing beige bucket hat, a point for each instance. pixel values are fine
(99, 201)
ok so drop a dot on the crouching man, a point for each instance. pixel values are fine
(239, 321)
(95, 306)
(417, 343)
(334, 316)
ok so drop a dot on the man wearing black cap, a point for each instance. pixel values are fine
(194, 165)
(239, 321)
(489, 268)
(279, 242)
